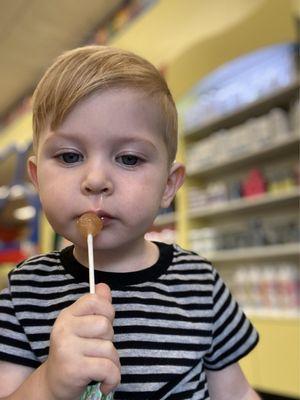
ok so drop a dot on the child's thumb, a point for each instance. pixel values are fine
(103, 290)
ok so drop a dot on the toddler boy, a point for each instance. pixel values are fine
(162, 324)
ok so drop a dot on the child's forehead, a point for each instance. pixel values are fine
(118, 105)
(115, 94)
(122, 112)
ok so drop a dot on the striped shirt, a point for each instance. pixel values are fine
(173, 320)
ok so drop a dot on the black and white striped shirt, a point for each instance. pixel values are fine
(173, 320)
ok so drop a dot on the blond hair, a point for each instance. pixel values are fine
(78, 73)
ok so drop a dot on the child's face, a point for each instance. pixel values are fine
(109, 157)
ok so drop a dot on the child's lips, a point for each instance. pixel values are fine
(105, 217)
(106, 220)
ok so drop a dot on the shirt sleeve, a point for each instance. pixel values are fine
(14, 344)
(233, 335)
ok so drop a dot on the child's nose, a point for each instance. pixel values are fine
(96, 181)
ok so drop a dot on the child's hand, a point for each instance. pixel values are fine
(81, 348)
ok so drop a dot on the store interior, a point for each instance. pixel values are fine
(233, 68)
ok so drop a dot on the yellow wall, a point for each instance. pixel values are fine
(20, 131)
(296, 7)
(274, 365)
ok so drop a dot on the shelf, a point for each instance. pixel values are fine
(247, 204)
(255, 253)
(286, 146)
(274, 314)
(165, 219)
(263, 105)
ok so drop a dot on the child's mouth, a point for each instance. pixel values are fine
(105, 217)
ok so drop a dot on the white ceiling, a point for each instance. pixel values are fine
(34, 32)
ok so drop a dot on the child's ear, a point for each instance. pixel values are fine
(32, 171)
(175, 180)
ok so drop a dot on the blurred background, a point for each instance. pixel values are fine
(233, 67)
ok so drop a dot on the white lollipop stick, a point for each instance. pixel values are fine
(91, 263)
(90, 225)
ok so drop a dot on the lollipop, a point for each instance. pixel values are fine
(90, 225)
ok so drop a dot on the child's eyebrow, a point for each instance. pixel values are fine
(135, 140)
(120, 139)
(68, 136)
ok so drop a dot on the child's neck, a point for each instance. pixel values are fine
(128, 259)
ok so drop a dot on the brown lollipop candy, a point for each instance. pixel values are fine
(89, 223)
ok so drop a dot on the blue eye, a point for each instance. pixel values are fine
(70, 157)
(129, 160)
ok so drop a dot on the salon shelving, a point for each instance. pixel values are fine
(247, 205)
(259, 253)
(276, 325)
(288, 145)
(284, 147)
(279, 97)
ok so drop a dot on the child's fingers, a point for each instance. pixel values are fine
(103, 290)
(81, 343)
(93, 326)
(92, 304)
(101, 349)
(104, 371)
